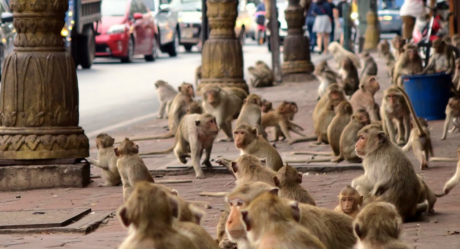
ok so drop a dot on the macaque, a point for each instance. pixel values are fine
(131, 167)
(421, 145)
(370, 66)
(198, 76)
(249, 143)
(288, 181)
(341, 119)
(261, 75)
(196, 133)
(383, 47)
(323, 123)
(452, 112)
(427, 195)
(454, 180)
(364, 97)
(290, 114)
(340, 54)
(225, 104)
(166, 94)
(194, 108)
(395, 183)
(251, 114)
(395, 109)
(350, 79)
(248, 168)
(266, 106)
(384, 51)
(349, 137)
(456, 41)
(281, 117)
(443, 59)
(456, 78)
(150, 212)
(350, 202)
(326, 77)
(378, 225)
(398, 45)
(272, 223)
(107, 160)
(409, 63)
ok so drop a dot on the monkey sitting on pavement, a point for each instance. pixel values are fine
(341, 119)
(251, 114)
(350, 79)
(350, 202)
(395, 108)
(288, 181)
(261, 75)
(364, 97)
(248, 168)
(443, 59)
(196, 133)
(409, 63)
(370, 66)
(166, 94)
(107, 160)
(340, 54)
(326, 77)
(131, 167)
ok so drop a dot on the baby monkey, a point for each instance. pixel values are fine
(107, 160)
(350, 202)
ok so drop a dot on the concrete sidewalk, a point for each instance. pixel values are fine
(439, 230)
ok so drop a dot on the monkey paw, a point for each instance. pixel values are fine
(200, 176)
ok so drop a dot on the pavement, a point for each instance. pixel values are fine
(438, 230)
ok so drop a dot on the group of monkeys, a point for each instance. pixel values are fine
(269, 208)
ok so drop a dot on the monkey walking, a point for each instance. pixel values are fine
(196, 133)
(454, 180)
(452, 115)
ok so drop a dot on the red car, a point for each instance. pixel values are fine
(127, 29)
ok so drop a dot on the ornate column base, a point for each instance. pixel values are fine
(223, 83)
(25, 177)
(372, 35)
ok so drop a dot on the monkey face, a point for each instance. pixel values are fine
(266, 106)
(374, 84)
(239, 136)
(369, 139)
(211, 97)
(294, 108)
(211, 126)
(187, 89)
(234, 225)
(393, 100)
(348, 204)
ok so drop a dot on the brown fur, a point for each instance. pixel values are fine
(350, 202)
(251, 114)
(443, 59)
(342, 117)
(395, 107)
(350, 79)
(409, 63)
(166, 94)
(364, 97)
(288, 180)
(107, 160)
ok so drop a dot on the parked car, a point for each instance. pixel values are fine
(390, 20)
(127, 29)
(7, 32)
(190, 23)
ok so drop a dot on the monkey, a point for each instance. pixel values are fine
(378, 225)
(443, 59)
(452, 112)
(447, 40)
(350, 202)
(225, 104)
(364, 97)
(409, 63)
(383, 47)
(131, 167)
(290, 114)
(266, 106)
(456, 78)
(456, 41)
(454, 180)
(248, 168)
(340, 54)
(272, 223)
(421, 146)
(249, 143)
(395, 108)
(251, 114)
(398, 45)
(198, 76)
(384, 51)
(196, 133)
(349, 137)
(261, 75)
(288, 181)
(342, 117)
(194, 108)
(427, 194)
(396, 183)
(350, 79)
(325, 119)
(166, 94)
(370, 66)
(107, 160)
(281, 117)
(326, 77)
(151, 212)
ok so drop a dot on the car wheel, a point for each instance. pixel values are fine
(155, 51)
(188, 47)
(130, 56)
(88, 48)
(173, 47)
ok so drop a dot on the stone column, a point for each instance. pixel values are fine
(39, 102)
(372, 35)
(222, 55)
(297, 64)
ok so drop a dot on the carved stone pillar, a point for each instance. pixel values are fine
(297, 64)
(39, 96)
(222, 55)
(372, 35)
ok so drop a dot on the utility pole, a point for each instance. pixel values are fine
(275, 41)
(204, 22)
(346, 10)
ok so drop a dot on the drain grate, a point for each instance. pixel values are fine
(41, 218)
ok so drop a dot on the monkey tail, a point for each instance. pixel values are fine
(304, 139)
(411, 108)
(451, 183)
(169, 150)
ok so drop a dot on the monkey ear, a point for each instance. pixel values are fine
(136, 149)
(246, 221)
(299, 178)
(197, 122)
(174, 205)
(295, 210)
(123, 215)
(174, 192)
(179, 88)
(274, 191)
(117, 153)
(382, 137)
(263, 161)
(197, 213)
(357, 230)
(234, 167)
(277, 181)
(254, 131)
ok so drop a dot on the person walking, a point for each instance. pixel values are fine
(340, 16)
(410, 10)
(322, 25)
(310, 20)
(333, 16)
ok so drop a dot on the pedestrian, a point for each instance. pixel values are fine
(310, 20)
(410, 10)
(340, 16)
(333, 16)
(322, 25)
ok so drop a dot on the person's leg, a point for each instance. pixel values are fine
(326, 41)
(408, 26)
(332, 32)
(319, 40)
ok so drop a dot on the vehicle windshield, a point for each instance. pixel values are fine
(388, 5)
(113, 7)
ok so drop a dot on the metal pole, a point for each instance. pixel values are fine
(275, 41)
(204, 22)
(346, 10)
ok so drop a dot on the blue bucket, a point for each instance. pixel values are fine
(429, 94)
